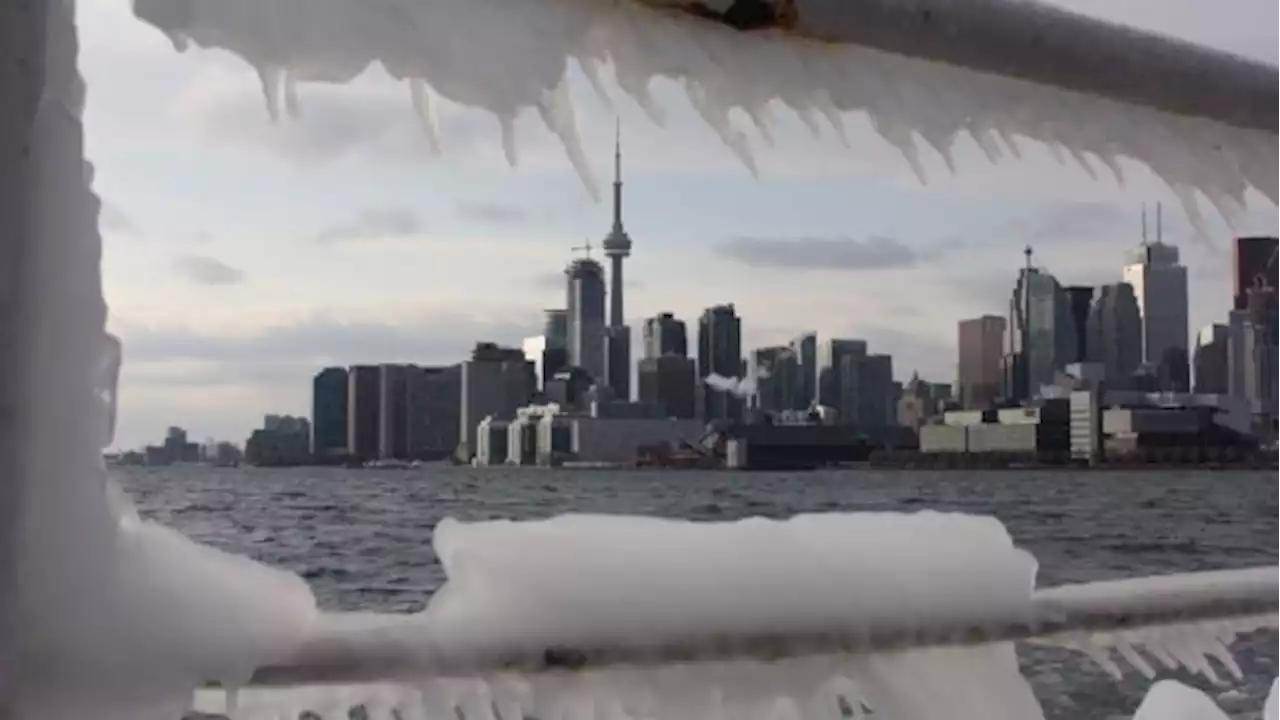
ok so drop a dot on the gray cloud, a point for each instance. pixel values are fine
(1075, 222)
(437, 337)
(495, 213)
(208, 271)
(819, 253)
(548, 279)
(394, 222)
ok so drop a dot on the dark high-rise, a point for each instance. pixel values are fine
(393, 411)
(363, 414)
(329, 412)
(1115, 333)
(617, 361)
(980, 342)
(1080, 305)
(1210, 360)
(555, 327)
(776, 378)
(434, 408)
(805, 348)
(665, 335)
(1253, 264)
(719, 353)
(586, 323)
(669, 381)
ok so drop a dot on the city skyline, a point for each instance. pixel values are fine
(246, 230)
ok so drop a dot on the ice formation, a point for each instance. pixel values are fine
(510, 55)
(113, 617)
(1171, 700)
(598, 581)
(119, 618)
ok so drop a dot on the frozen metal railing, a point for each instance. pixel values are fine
(1050, 46)
(379, 651)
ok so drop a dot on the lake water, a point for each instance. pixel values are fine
(362, 538)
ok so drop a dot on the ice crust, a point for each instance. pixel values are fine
(510, 55)
(119, 618)
(597, 580)
(115, 617)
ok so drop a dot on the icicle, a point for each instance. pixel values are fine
(512, 696)
(507, 124)
(591, 70)
(1222, 654)
(291, 104)
(477, 701)
(809, 117)
(1101, 656)
(269, 77)
(556, 110)
(1134, 658)
(829, 111)
(420, 97)
(1271, 708)
(763, 121)
(718, 119)
(409, 706)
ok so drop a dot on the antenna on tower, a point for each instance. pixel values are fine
(1027, 252)
(1144, 223)
(1159, 224)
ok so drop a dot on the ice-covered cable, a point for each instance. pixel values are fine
(509, 55)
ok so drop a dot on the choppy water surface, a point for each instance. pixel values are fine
(362, 537)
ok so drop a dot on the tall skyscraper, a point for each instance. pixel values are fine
(434, 404)
(1253, 263)
(805, 348)
(585, 309)
(1041, 332)
(671, 382)
(719, 353)
(393, 411)
(1080, 303)
(665, 335)
(1115, 334)
(329, 412)
(1210, 360)
(876, 401)
(363, 414)
(496, 381)
(837, 363)
(776, 371)
(1160, 284)
(555, 327)
(980, 342)
(617, 247)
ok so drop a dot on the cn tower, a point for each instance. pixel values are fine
(617, 245)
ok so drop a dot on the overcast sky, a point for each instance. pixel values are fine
(241, 256)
